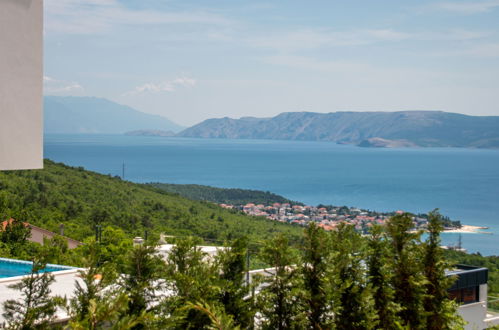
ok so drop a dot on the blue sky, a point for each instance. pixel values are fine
(193, 60)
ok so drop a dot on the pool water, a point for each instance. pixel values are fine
(12, 267)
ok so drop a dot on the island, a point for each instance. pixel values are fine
(150, 132)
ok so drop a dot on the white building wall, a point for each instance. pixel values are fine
(21, 84)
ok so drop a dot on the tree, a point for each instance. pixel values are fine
(278, 297)
(96, 301)
(142, 279)
(36, 308)
(193, 279)
(408, 280)
(440, 310)
(315, 269)
(15, 235)
(380, 277)
(232, 263)
(218, 318)
(354, 305)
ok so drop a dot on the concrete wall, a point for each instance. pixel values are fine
(21, 84)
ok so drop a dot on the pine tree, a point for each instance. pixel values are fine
(380, 278)
(193, 280)
(440, 310)
(142, 280)
(36, 308)
(408, 280)
(353, 301)
(314, 269)
(278, 299)
(96, 301)
(232, 263)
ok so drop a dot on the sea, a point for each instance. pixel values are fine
(462, 183)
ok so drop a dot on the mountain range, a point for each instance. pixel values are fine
(366, 129)
(71, 115)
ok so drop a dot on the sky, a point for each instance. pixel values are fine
(190, 60)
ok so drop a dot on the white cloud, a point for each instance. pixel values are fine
(163, 87)
(98, 16)
(467, 7)
(55, 86)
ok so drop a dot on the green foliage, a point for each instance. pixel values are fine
(142, 278)
(409, 282)
(354, 303)
(192, 279)
(440, 312)
(378, 260)
(315, 270)
(81, 199)
(218, 318)
(232, 263)
(278, 301)
(14, 237)
(36, 309)
(223, 195)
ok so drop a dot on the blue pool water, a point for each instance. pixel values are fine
(11, 267)
(463, 183)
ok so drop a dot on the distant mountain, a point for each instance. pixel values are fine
(368, 129)
(100, 116)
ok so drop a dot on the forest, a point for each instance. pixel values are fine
(232, 196)
(81, 199)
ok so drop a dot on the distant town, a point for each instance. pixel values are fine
(328, 216)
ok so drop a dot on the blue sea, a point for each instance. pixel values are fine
(462, 183)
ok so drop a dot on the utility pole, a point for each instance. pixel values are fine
(123, 171)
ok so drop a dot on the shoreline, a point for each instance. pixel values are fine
(468, 229)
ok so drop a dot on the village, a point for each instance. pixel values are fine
(327, 217)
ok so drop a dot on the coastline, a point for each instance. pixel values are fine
(469, 230)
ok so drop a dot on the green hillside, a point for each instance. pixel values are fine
(223, 195)
(81, 199)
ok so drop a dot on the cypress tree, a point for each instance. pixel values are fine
(141, 280)
(314, 267)
(408, 280)
(278, 298)
(440, 310)
(380, 278)
(233, 289)
(354, 305)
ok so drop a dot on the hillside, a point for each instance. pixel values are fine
(223, 195)
(70, 115)
(390, 129)
(81, 199)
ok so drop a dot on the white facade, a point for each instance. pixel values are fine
(476, 314)
(21, 84)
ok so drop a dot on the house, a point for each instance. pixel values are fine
(470, 291)
(37, 234)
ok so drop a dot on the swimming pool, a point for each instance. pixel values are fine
(13, 267)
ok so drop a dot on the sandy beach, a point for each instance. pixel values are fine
(468, 229)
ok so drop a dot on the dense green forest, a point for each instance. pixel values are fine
(223, 195)
(81, 199)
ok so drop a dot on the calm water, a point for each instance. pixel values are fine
(463, 183)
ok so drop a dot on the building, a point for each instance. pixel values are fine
(470, 291)
(37, 234)
(21, 84)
